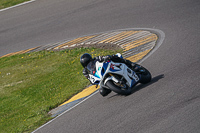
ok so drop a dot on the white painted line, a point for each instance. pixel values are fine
(17, 5)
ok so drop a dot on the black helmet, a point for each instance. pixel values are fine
(85, 59)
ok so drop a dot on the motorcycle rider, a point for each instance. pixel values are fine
(86, 58)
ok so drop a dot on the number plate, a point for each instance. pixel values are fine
(135, 77)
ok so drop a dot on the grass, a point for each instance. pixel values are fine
(33, 84)
(8, 3)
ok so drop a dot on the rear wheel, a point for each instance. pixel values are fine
(118, 89)
(145, 76)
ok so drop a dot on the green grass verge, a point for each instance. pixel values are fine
(8, 3)
(33, 84)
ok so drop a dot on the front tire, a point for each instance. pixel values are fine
(118, 89)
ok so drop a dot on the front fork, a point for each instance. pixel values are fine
(118, 82)
(111, 78)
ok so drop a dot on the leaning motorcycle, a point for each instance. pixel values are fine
(117, 77)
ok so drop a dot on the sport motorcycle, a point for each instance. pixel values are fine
(117, 77)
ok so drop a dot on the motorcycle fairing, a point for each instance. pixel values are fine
(102, 69)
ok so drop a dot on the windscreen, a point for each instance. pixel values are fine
(91, 67)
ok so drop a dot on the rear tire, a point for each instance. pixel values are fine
(145, 77)
(118, 89)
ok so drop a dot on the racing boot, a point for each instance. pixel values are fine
(130, 64)
(134, 66)
(104, 92)
(139, 69)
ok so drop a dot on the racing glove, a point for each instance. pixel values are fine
(85, 73)
(106, 58)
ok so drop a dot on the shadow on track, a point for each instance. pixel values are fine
(141, 86)
(153, 80)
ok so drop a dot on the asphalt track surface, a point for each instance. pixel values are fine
(170, 103)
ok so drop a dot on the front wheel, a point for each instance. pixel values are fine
(118, 89)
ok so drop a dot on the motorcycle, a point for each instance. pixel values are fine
(117, 77)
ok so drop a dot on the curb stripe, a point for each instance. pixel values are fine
(117, 37)
(103, 37)
(139, 42)
(138, 49)
(125, 36)
(110, 38)
(139, 56)
(19, 52)
(127, 39)
(74, 42)
(82, 94)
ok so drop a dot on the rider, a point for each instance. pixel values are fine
(86, 58)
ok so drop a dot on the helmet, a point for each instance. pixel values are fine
(85, 59)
